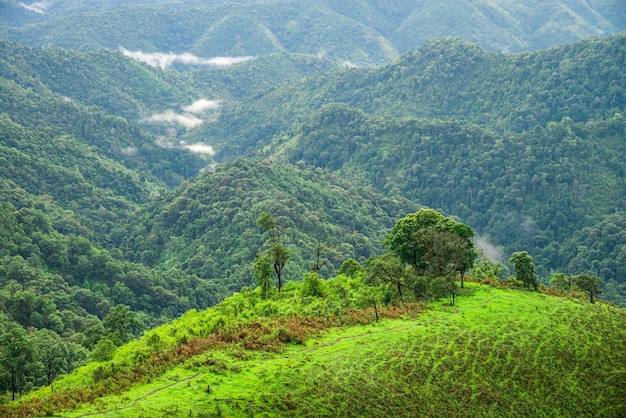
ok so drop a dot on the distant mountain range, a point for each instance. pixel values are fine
(350, 32)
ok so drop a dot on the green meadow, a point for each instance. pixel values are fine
(498, 352)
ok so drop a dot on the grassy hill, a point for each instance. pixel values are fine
(498, 352)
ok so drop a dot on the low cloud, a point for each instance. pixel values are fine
(129, 151)
(190, 116)
(200, 149)
(200, 107)
(197, 148)
(163, 60)
(493, 252)
(40, 7)
(187, 120)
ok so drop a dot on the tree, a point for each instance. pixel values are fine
(278, 254)
(51, 352)
(387, 268)
(588, 284)
(350, 268)
(444, 286)
(447, 253)
(263, 273)
(121, 323)
(104, 350)
(525, 269)
(16, 356)
(312, 285)
(402, 240)
(434, 245)
(560, 281)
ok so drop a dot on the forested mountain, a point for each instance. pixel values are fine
(524, 147)
(447, 78)
(356, 32)
(151, 162)
(208, 225)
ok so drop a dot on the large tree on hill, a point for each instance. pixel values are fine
(433, 244)
(588, 284)
(404, 240)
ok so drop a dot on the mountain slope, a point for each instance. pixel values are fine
(522, 147)
(446, 78)
(360, 32)
(208, 225)
(499, 352)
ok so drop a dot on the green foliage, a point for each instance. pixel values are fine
(208, 226)
(104, 349)
(312, 286)
(494, 355)
(432, 244)
(588, 284)
(403, 240)
(263, 273)
(16, 357)
(355, 32)
(560, 281)
(525, 269)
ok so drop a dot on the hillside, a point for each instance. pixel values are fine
(208, 225)
(497, 352)
(356, 32)
(444, 79)
(522, 147)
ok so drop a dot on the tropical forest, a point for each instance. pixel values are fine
(313, 208)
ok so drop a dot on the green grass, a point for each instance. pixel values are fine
(497, 353)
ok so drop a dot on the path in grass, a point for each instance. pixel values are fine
(147, 395)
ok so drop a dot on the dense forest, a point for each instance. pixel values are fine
(151, 164)
(504, 151)
(412, 286)
(352, 32)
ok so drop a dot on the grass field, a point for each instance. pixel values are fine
(496, 353)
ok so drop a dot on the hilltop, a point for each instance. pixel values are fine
(496, 352)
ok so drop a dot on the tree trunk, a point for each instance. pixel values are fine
(13, 385)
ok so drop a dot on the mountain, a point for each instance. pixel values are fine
(355, 32)
(522, 147)
(208, 225)
(134, 167)
(497, 352)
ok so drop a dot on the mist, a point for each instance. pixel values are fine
(38, 7)
(493, 252)
(187, 120)
(200, 149)
(163, 60)
(190, 116)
